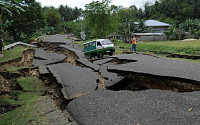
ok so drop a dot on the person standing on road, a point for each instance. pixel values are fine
(73, 42)
(133, 44)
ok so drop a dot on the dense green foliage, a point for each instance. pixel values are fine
(52, 15)
(98, 19)
(27, 20)
(25, 24)
(7, 7)
(68, 13)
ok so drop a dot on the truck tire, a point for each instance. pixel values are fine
(89, 56)
(100, 55)
(110, 54)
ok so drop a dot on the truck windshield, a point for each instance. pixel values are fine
(106, 42)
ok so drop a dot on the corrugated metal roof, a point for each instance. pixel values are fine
(155, 23)
(148, 34)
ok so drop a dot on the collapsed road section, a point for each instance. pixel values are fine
(76, 80)
(159, 73)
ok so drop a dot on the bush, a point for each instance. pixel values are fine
(49, 30)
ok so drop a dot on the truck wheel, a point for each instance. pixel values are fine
(110, 54)
(89, 56)
(100, 55)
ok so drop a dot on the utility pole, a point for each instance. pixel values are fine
(81, 22)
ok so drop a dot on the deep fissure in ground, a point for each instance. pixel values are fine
(133, 82)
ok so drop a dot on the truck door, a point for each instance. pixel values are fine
(99, 46)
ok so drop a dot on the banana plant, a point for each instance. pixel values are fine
(5, 8)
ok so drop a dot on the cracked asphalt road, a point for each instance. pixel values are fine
(75, 80)
(144, 107)
(43, 58)
(97, 107)
(159, 67)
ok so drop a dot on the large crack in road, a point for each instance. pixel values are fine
(122, 89)
(110, 102)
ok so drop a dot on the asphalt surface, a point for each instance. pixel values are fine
(42, 54)
(158, 67)
(43, 70)
(102, 61)
(104, 107)
(62, 39)
(111, 78)
(149, 107)
(75, 80)
(43, 58)
(78, 52)
(88, 64)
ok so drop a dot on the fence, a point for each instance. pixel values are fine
(17, 44)
(151, 36)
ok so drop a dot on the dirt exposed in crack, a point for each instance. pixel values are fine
(7, 86)
(21, 73)
(7, 107)
(127, 84)
(121, 61)
(174, 55)
(50, 45)
(53, 89)
(101, 82)
(25, 60)
(158, 82)
(71, 56)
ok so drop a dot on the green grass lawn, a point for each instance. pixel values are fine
(27, 113)
(178, 47)
(12, 53)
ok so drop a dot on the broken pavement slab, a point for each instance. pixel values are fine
(46, 58)
(159, 67)
(43, 70)
(111, 78)
(51, 115)
(102, 61)
(78, 52)
(43, 55)
(88, 64)
(76, 81)
(144, 107)
(60, 39)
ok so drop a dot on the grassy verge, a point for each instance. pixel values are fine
(175, 47)
(27, 113)
(12, 53)
(15, 69)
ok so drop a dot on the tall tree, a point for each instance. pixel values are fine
(53, 16)
(68, 13)
(5, 10)
(26, 23)
(98, 18)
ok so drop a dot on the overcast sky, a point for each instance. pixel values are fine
(81, 3)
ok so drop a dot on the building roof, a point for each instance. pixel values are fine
(155, 23)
